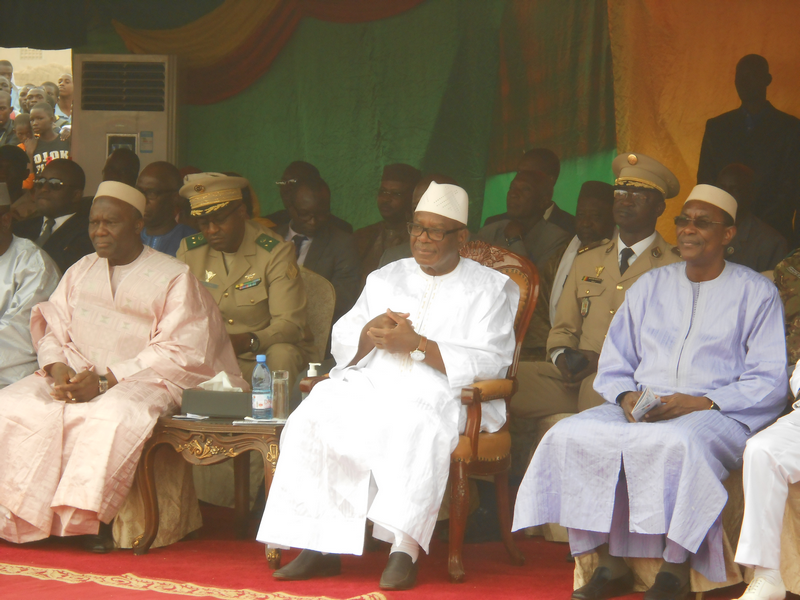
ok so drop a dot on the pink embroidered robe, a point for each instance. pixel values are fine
(66, 467)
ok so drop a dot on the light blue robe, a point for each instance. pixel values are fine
(729, 347)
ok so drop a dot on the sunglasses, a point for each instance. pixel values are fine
(53, 183)
(637, 197)
(701, 223)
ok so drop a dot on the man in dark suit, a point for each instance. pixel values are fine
(293, 174)
(763, 138)
(63, 229)
(320, 246)
(545, 161)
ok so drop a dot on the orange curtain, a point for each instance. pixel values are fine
(674, 65)
(225, 51)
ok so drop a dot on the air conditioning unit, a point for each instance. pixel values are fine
(123, 100)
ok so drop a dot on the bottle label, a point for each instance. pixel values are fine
(261, 401)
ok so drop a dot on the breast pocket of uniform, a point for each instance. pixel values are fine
(589, 294)
(252, 305)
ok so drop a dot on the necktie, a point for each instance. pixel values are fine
(624, 257)
(46, 232)
(298, 242)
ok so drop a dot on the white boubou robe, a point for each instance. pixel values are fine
(374, 441)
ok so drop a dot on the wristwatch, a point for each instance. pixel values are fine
(419, 354)
(102, 385)
(255, 343)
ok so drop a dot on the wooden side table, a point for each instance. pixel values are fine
(208, 442)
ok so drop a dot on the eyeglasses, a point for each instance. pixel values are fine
(637, 197)
(152, 194)
(393, 193)
(53, 183)
(701, 223)
(435, 235)
(286, 182)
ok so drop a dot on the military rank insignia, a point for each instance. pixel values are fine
(585, 304)
(247, 284)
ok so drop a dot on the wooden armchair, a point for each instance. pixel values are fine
(487, 454)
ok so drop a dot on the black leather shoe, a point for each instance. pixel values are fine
(310, 564)
(102, 543)
(667, 587)
(601, 586)
(400, 572)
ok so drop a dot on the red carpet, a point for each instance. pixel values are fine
(215, 560)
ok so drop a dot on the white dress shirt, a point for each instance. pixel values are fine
(301, 258)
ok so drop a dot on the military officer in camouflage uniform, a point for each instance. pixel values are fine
(250, 272)
(787, 278)
(595, 289)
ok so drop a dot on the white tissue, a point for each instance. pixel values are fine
(219, 383)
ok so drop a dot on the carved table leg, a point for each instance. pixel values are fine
(241, 483)
(273, 557)
(145, 473)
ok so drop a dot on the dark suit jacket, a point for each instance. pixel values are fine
(333, 255)
(282, 217)
(558, 217)
(68, 244)
(771, 149)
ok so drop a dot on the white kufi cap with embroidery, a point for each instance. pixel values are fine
(446, 200)
(714, 195)
(122, 191)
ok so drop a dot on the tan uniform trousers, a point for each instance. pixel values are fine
(280, 357)
(542, 392)
(214, 483)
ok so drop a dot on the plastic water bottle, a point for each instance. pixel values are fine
(262, 389)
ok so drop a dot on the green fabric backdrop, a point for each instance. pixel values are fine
(444, 86)
(417, 88)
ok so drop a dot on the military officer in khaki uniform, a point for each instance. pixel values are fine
(254, 278)
(595, 289)
(250, 272)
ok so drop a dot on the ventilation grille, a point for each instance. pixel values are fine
(123, 86)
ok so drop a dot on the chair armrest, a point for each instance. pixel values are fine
(307, 383)
(483, 391)
(490, 389)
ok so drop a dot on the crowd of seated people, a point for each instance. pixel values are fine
(114, 302)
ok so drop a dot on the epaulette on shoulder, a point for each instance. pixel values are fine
(676, 251)
(593, 245)
(266, 242)
(195, 241)
(791, 254)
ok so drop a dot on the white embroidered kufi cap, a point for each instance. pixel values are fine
(713, 195)
(446, 200)
(122, 191)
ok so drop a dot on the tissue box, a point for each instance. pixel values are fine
(227, 405)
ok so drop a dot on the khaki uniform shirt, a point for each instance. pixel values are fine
(263, 292)
(595, 290)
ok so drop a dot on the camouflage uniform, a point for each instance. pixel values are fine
(787, 278)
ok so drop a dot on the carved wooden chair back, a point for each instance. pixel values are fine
(522, 272)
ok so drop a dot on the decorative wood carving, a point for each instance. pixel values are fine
(203, 443)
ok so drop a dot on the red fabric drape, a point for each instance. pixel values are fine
(239, 69)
